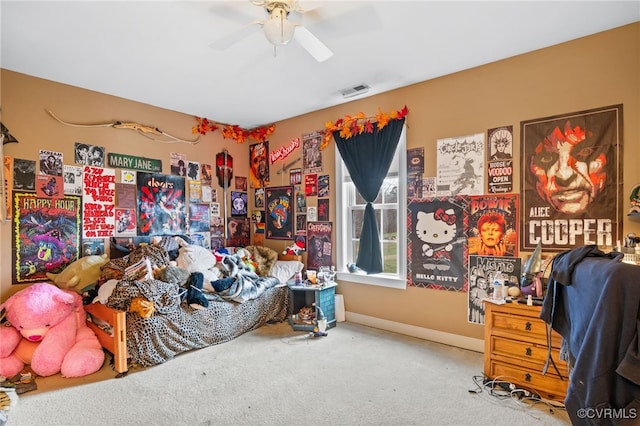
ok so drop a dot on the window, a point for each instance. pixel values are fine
(390, 208)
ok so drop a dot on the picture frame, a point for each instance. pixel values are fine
(279, 212)
(571, 180)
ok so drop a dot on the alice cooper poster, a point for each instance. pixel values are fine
(46, 235)
(571, 180)
(437, 247)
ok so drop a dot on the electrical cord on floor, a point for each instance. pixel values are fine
(505, 390)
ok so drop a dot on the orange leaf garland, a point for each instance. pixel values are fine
(232, 131)
(350, 126)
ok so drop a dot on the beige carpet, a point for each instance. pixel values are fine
(275, 376)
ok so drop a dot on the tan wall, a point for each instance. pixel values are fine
(595, 71)
(25, 101)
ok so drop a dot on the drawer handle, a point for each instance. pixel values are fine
(527, 377)
(528, 352)
(527, 326)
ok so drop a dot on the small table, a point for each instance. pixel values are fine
(303, 295)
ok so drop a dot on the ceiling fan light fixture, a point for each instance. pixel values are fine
(277, 29)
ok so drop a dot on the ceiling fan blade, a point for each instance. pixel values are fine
(234, 37)
(312, 44)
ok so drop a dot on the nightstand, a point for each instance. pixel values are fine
(515, 350)
(323, 297)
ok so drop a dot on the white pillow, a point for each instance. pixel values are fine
(284, 270)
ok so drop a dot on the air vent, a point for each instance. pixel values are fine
(354, 91)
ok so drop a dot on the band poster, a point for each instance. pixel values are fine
(482, 269)
(279, 220)
(259, 165)
(437, 246)
(460, 165)
(46, 235)
(161, 204)
(320, 248)
(572, 179)
(500, 159)
(493, 225)
(311, 153)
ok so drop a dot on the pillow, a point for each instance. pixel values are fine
(284, 270)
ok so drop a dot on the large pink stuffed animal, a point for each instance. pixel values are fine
(49, 332)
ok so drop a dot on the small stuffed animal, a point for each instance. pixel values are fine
(198, 259)
(49, 332)
(80, 274)
(294, 249)
(247, 259)
(172, 274)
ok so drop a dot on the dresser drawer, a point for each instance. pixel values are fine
(520, 324)
(547, 386)
(526, 351)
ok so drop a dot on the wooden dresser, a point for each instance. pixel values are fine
(515, 350)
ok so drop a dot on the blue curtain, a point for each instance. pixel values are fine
(367, 157)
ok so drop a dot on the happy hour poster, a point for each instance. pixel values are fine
(46, 235)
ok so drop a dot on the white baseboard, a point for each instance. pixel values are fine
(419, 332)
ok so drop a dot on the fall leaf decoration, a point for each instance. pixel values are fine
(232, 131)
(357, 124)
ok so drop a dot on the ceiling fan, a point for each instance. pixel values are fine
(279, 30)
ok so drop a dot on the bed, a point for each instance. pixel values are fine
(593, 302)
(176, 327)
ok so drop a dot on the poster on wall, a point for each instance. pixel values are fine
(161, 204)
(482, 269)
(319, 248)
(72, 180)
(323, 186)
(98, 202)
(500, 159)
(193, 170)
(259, 165)
(88, 155)
(323, 209)
(92, 247)
(279, 210)
(460, 165)
(238, 203)
(199, 220)
(311, 153)
(24, 174)
(49, 186)
(437, 243)
(571, 180)
(50, 163)
(493, 225)
(238, 231)
(178, 163)
(46, 235)
(125, 222)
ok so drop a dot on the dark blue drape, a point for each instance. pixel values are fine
(367, 157)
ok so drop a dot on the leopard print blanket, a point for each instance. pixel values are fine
(177, 327)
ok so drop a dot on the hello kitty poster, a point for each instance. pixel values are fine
(437, 247)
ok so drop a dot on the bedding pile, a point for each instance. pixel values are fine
(248, 302)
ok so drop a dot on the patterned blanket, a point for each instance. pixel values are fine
(180, 328)
(247, 285)
(177, 327)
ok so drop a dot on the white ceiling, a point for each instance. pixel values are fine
(158, 52)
